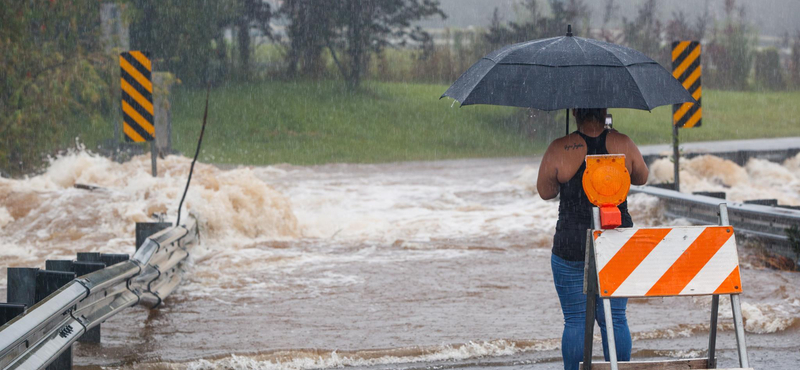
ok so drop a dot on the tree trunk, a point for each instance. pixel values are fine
(244, 48)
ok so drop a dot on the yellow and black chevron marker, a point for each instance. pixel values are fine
(686, 68)
(137, 96)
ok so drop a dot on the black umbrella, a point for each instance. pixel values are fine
(568, 72)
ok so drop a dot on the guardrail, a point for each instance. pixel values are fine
(37, 338)
(764, 222)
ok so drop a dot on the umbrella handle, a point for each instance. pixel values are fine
(567, 110)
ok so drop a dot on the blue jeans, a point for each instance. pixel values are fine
(568, 279)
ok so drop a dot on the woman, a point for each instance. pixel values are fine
(561, 172)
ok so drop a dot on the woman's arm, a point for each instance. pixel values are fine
(621, 143)
(639, 171)
(547, 182)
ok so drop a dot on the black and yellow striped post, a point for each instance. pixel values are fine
(686, 68)
(138, 123)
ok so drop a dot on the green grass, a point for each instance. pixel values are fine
(321, 122)
(727, 115)
(314, 122)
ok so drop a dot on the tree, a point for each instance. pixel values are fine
(187, 37)
(769, 73)
(310, 26)
(643, 33)
(534, 24)
(52, 73)
(679, 28)
(497, 35)
(610, 10)
(249, 15)
(731, 49)
(794, 62)
(363, 28)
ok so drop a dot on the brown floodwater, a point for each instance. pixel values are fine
(403, 265)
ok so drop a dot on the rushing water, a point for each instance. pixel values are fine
(381, 266)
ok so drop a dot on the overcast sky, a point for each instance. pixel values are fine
(769, 17)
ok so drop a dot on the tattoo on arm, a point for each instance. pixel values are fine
(573, 146)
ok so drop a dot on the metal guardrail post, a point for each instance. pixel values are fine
(8, 311)
(59, 265)
(47, 330)
(762, 222)
(47, 282)
(21, 283)
(83, 268)
(146, 229)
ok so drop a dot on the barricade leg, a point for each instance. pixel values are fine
(712, 335)
(738, 323)
(612, 344)
(590, 289)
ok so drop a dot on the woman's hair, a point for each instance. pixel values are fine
(589, 114)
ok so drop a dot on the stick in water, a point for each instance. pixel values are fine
(191, 169)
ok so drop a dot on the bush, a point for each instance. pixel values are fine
(53, 74)
(769, 74)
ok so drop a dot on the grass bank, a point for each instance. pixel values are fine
(316, 122)
(727, 115)
(321, 122)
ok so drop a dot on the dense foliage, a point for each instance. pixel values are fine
(187, 38)
(52, 73)
(352, 31)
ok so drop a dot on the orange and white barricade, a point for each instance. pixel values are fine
(656, 262)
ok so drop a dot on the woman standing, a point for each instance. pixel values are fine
(561, 172)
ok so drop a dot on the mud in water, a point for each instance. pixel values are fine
(405, 265)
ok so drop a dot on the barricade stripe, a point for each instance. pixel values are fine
(715, 271)
(692, 78)
(126, 99)
(147, 126)
(683, 54)
(128, 121)
(133, 83)
(131, 134)
(690, 262)
(690, 59)
(136, 65)
(628, 258)
(697, 94)
(682, 111)
(143, 60)
(733, 284)
(135, 75)
(138, 98)
(658, 262)
(678, 49)
(681, 121)
(693, 66)
(138, 108)
(694, 119)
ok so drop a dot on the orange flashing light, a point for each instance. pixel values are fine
(606, 182)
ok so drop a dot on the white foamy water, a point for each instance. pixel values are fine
(759, 179)
(46, 217)
(362, 265)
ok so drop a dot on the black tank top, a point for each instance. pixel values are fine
(575, 210)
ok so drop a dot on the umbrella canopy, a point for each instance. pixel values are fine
(568, 72)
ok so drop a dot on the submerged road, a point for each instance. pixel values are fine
(439, 264)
